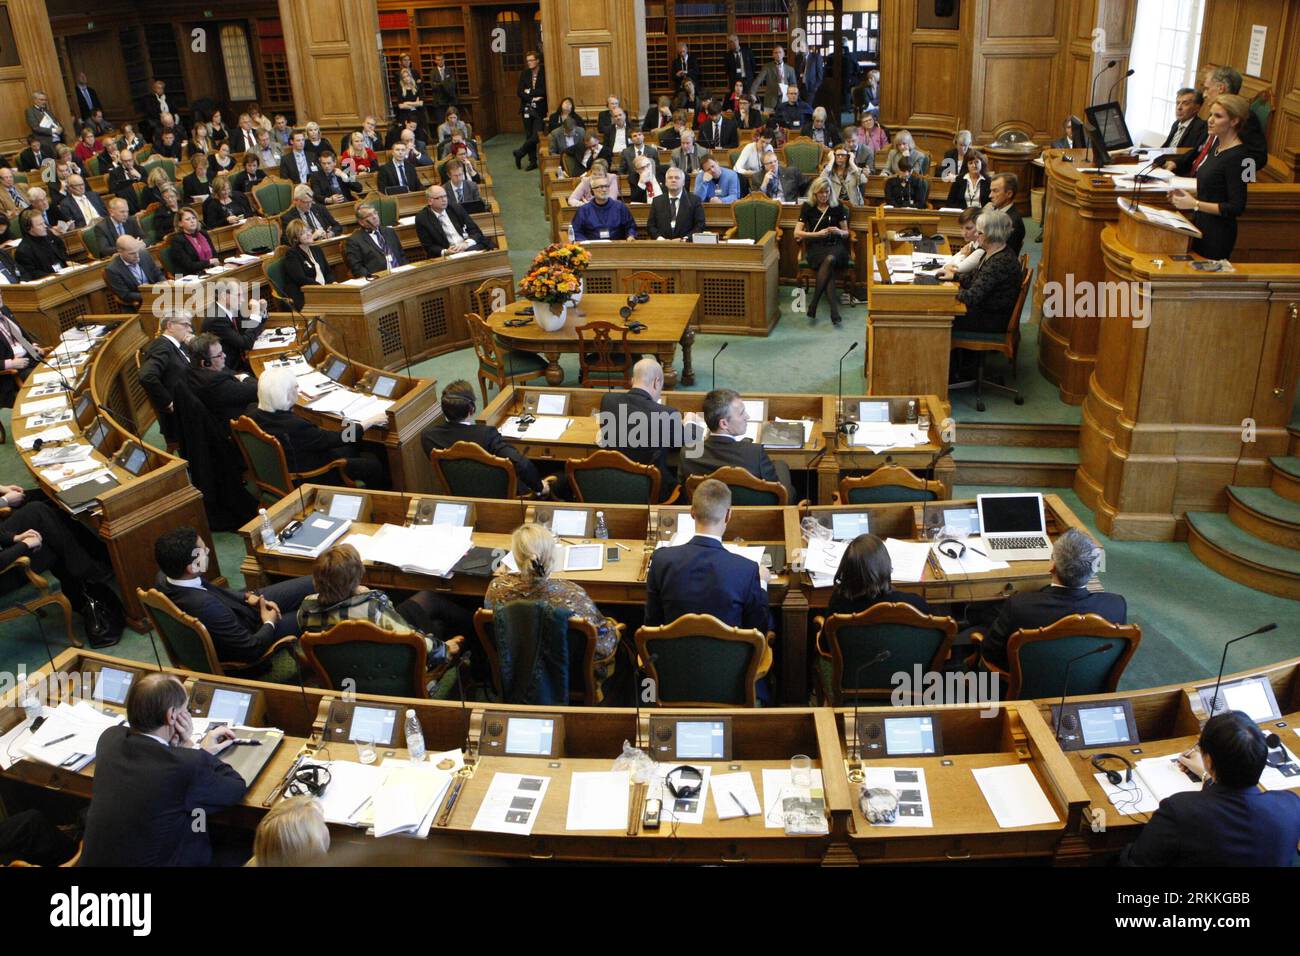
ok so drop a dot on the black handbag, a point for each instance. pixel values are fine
(102, 615)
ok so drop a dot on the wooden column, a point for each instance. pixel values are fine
(37, 68)
(605, 26)
(334, 67)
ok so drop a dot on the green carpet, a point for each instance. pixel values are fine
(1186, 610)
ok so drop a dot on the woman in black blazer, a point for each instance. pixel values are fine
(221, 162)
(863, 579)
(304, 264)
(192, 249)
(40, 250)
(252, 175)
(567, 108)
(971, 188)
(225, 207)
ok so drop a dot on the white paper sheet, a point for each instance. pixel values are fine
(512, 804)
(1164, 776)
(44, 404)
(351, 786)
(1130, 797)
(734, 795)
(909, 559)
(545, 428)
(969, 562)
(57, 433)
(1014, 796)
(908, 784)
(598, 801)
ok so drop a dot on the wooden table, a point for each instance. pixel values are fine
(669, 319)
(48, 307)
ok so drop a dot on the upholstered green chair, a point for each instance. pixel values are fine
(498, 364)
(91, 242)
(275, 196)
(1262, 107)
(386, 206)
(265, 461)
(746, 489)
(805, 156)
(603, 356)
(1036, 657)
(567, 672)
(697, 661)
(888, 484)
(274, 269)
(845, 643)
(755, 216)
(258, 236)
(610, 477)
(1006, 341)
(152, 230)
(376, 661)
(163, 162)
(167, 261)
(468, 471)
(23, 592)
(189, 646)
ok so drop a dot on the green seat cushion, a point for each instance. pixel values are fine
(517, 361)
(957, 335)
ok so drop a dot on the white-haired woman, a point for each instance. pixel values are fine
(822, 131)
(954, 159)
(990, 292)
(905, 145)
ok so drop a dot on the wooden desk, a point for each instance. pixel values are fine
(845, 458)
(49, 307)
(670, 319)
(408, 314)
(131, 516)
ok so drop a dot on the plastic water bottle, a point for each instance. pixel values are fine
(31, 703)
(414, 738)
(602, 530)
(571, 239)
(911, 412)
(269, 539)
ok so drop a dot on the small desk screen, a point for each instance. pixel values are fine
(384, 387)
(336, 369)
(962, 521)
(375, 723)
(447, 512)
(757, 410)
(566, 523)
(1252, 696)
(229, 705)
(700, 740)
(1102, 726)
(113, 685)
(550, 404)
(134, 459)
(909, 735)
(873, 411)
(846, 527)
(529, 735)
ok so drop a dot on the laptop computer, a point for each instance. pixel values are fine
(1013, 527)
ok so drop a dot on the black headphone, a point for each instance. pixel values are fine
(1113, 776)
(956, 552)
(685, 788)
(308, 779)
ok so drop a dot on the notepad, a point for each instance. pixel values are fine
(1015, 796)
(584, 557)
(598, 801)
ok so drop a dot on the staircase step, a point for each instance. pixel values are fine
(1009, 465)
(1018, 434)
(1234, 553)
(1265, 514)
(1286, 476)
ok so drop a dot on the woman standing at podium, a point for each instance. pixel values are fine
(1220, 180)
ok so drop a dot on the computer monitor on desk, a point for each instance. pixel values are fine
(1108, 120)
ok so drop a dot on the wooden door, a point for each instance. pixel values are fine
(520, 31)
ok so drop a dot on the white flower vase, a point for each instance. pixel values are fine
(551, 316)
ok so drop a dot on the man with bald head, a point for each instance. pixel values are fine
(636, 424)
(116, 224)
(446, 229)
(130, 269)
(81, 206)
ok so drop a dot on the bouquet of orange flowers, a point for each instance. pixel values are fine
(570, 255)
(551, 283)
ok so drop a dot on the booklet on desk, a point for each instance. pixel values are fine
(317, 532)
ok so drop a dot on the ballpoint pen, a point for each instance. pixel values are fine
(741, 805)
(58, 740)
(445, 816)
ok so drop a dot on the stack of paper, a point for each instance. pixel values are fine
(44, 404)
(420, 549)
(276, 338)
(598, 801)
(365, 410)
(59, 454)
(822, 560)
(314, 384)
(57, 433)
(351, 790)
(878, 436)
(68, 469)
(408, 799)
(69, 736)
(85, 332)
(544, 428)
(1015, 796)
(909, 559)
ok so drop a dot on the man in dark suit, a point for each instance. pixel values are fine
(782, 183)
(582, 156)
(718, 132)
(907, 190)
(18, 352)
(460, 188)
(636, 424)
(328, 187)
(36, 153)
(130, 269)
(374, 247)
(9, 269)
(605, 118)
(119, 222)
(685, 67)
(1229, 821)
(1188, 130)
(152, 783)
(531, 91)
(87, 99)
(235, 326)
(811, 67)
(740, 63)
(1002, 197)
(398, 175)
(442, 87)
(1074, 560)
(726, 445)
(222, 392)
(636, 147)
(41, 122)
(677, 213)
(317, 218)
(792, 113)
(445, 229)
(81, 206)
(242, 625)
(659, 115)
(702, 577)
(458, 406)
(163, 365)
(155, 104)
(122, 180)
(297, 165)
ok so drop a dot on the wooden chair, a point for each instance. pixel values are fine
(91, 241)
(265, 461)
(258, 236)
(274, 269)
(746, 489)
(845, 642)
(804, 155)
(163, 162)
(374, 660)
(73, 861)
(697, 661)
(754, 216)
(498, 364)
(275, 196)
(165, 259)
(491, 292)
(888, 484)
(580, 635)
(1036, 657)
(806, 276)
(26, 592)
(650, 283)
(467, 470)
(189, 645)
(610, 477)
(603, 356)
(1007, 342)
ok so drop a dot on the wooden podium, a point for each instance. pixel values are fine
(1192, 390)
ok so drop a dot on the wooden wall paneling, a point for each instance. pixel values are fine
(334, 64)
(99, 55)
(605, 26)
(38, 69)
(1017, 48)
(925, 85)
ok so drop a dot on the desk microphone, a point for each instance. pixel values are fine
(934, 460)
(1109, 65)
(714, 380)
(1065, 685)
(1111, 95)
(879, 658)
(1214, 698)
(464, 707)
(840, 423)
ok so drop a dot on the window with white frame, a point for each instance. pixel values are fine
(1166, 47)
(239, 63)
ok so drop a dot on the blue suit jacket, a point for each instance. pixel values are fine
(726, 188)
(1220, 826)
(703, 577)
